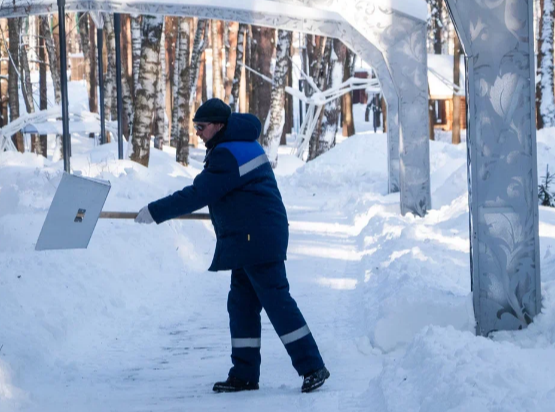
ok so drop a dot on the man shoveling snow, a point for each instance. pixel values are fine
(250, 221)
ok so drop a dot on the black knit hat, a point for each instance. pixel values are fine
(212, 111)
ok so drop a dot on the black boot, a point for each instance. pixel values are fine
(234, 384)
(315, 379)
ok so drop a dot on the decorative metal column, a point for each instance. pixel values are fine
(63, 74)
(498, 42)
(117, 30)
(100, 46)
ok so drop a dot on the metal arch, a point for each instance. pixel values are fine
(502, 161)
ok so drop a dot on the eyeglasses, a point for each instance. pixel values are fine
(201, 127)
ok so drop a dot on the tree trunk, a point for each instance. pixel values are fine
(126, 75)
(183, 92)
(171, 38)
(330, 120)
(136, 48)
(456, 132)
(13, 93)
(261, 59)
(92, 80)
(318, 71)
(384, 114)
(40, 147)
(197, 56)
(159, 117)
(545, 66)
(25, 71)
(239, 69)
(231, 58)
(151, 33)
(52, 59)
(217, 84)
(4, 68)
(289, 121)
(348, 72)
(84, 36)
(175, 125)
(110, 79)
(271, 137)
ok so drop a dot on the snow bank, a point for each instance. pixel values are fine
(357, 164)
(444, 369)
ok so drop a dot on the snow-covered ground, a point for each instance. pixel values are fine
(136, 323)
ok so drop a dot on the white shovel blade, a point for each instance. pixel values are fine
(73, 214)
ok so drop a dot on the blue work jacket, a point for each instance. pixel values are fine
(239, 187)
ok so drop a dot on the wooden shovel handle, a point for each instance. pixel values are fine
(133, 215)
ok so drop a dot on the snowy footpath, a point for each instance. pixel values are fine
(136, 323)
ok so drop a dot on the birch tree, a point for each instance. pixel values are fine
(136, 48)
(86, 45)
(183, 92)
(52, 58)
(197, 62)
(25, 71)
(321, 56)
(271, 137)
(175, 124)
(151, 33)
(231, 57)
(330, 119)
(110, 79)
(239, 60)
(159, 124)
(40, 145)
(13, 76)
(545, 97)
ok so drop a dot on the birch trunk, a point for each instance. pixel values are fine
(545, 66)
(330, 121)
(289, 109)
(245, 87)
(231, 58)
(217, 84)
(159, 114)
(26, 85)
(13, 75)
(271, 137)
(197, 61)
(52, 59)
(170, 45)
(41, 146)
(183, 92)
(239, 69)
(136, 48)
(322, 54)
(175, 124)
(110, 79)
(151, 33)
(4, 68)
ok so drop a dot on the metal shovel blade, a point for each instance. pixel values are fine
(73, 214)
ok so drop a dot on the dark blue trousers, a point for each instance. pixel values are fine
(266, 286)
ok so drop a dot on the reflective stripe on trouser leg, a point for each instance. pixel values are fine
(272, 288)
(244, 324)
(295, 335)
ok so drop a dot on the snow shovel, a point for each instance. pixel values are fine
(75, 209)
